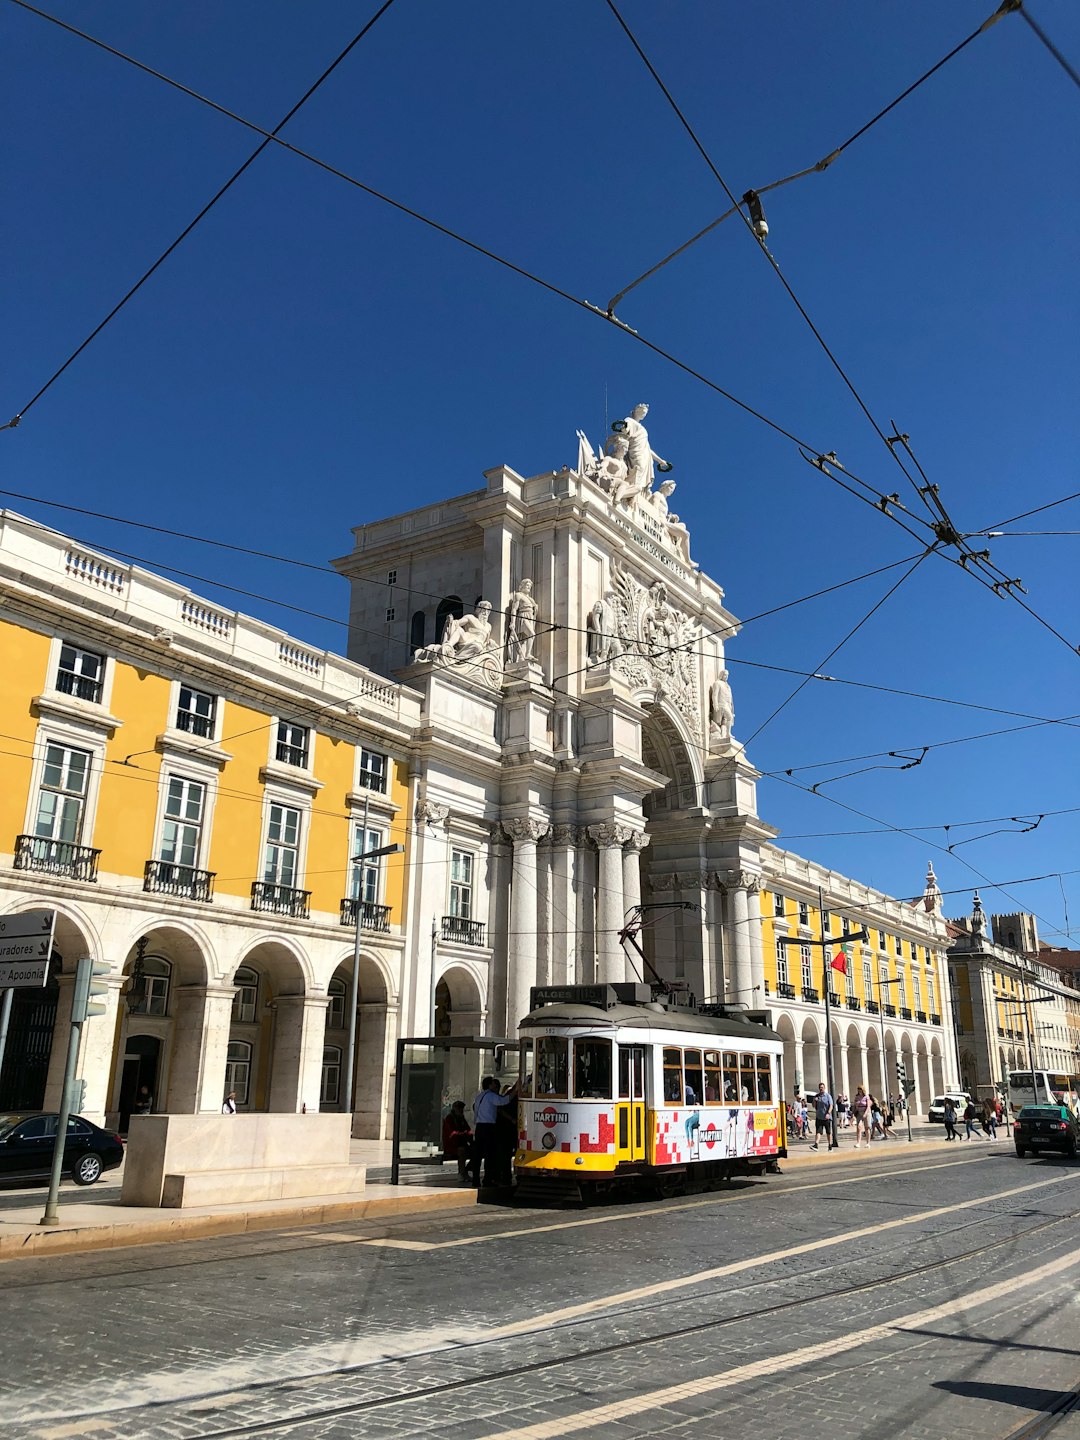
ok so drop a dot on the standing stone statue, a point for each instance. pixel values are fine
(640, 456)
(521, 624)
(603, 643)
(721, 711)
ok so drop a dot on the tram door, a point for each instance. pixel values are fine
(630, 1107)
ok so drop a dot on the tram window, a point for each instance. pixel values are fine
(673, 1077)
(695, 1080)
(624, 1072)
(713, 1083)
(592, 1069)
(731, 1077)
(551, 1066)
(764, 1080)
(525, 1068)
(747, 1080)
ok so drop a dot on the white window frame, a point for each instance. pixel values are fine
(804, 912)
(779, 913)
(931, 1008)
(181, 823)
(337, 1013)
(363, 773)
(330, 1095)
(238, 1069)
(284, 802)
(806, 967)
(781, 964)
(157, 985)
(285, 740)
(240, 1004)
(215, 717)
(459, 887)
(81, 652)
(366, 882)
(70, 735)
(64, 793)
(868, 979)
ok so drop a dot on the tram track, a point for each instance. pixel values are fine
(433, 1393)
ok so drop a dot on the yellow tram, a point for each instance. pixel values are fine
(616, 1085)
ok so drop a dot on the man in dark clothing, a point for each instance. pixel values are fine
(823, 1109)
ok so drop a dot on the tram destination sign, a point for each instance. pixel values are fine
(25, 946)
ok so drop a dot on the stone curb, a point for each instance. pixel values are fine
(166, 1227)
(801, 1157)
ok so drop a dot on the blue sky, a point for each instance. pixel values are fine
(310, 359)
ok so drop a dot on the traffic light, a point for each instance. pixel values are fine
(906, 1085)
(77, 1097)
(83, 1005)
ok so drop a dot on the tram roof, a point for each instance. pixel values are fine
(644, 1017)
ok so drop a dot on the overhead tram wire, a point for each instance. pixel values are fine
(1072, 73)
(873, 496)
(1026, 514)
(271, 135)
(911, 835)
(942, 523)
(817, 169)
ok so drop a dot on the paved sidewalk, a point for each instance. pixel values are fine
(94, 1219)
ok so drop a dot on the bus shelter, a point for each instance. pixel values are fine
(433, 1072)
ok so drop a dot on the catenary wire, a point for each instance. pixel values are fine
(873, 497)
(205, 209)
(822, 165)
(1024, 514)
(1073, 75)
(942, 522)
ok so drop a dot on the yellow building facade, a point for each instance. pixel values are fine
(186, 787)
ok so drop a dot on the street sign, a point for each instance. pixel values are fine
(25, 947)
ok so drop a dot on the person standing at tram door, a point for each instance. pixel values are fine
(486, 1109)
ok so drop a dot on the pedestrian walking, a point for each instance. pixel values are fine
(888, 1120)
(861, 1109)
(989, 1120)
(876, 1127)
(970, 1117)
(950, 1118)
(823, 1110)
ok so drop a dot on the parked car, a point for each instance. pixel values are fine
(27, 1139)
(1046, 1127)
(936, 1112)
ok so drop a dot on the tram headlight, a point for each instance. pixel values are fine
(548, 1141)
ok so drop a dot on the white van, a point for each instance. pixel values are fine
(960, 1099)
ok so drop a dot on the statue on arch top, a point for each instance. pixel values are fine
(642, 461)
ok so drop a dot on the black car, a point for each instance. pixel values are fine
(1046, 1127)
(27, 1139)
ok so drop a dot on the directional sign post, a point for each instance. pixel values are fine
(25, 948)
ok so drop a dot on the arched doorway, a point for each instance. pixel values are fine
(812, 1056)
(786, 1030)
(376, 1036)
(458, 1004)
(29, 1042)
(271, 1062)
(856, 1061)
(138, 1077)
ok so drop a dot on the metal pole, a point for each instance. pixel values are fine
(825, 946)
(433, 1005)
(881, 1018)
(51, 1217)
(5, 1021)
(354, 996)
(1027, 1027)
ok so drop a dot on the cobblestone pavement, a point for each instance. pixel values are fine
(928, 1297)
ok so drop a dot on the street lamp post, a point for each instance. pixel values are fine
(350, 1052)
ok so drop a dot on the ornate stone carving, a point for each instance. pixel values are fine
(521, 624)
(662, 883)
(466, 645)
(566, 835)
(692, 879)
(640, 455)
(747, 880)
(677, 532)
(721, 713)
(163, 636)
(608, 834)
(637, 841)
(431, 812)
(644, 638)
(526, 831)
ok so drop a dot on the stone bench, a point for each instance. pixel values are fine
(179, 1161)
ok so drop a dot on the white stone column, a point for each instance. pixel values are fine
(739, 933)
(632, 885)
(757, 954)
(499, 927)
(800, 1066)
(296, 1062)
(96, 1047)
(565, 925)
(522, 947)
(610, 961)
(543, 910)
(199, 1045)
(843, 1078)
(716, 978)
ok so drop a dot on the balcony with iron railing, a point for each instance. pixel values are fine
(873, 1008)
(83, 687)
(56, 857)
(372, 916)
(834, 999)
(905, 1013)
(785, 991)
(462, 932)
(853, 1002)
(292, 755)
(193, 723)
(935, 1018)
(280, 899)
(186, 882)
(920, 1016)
(810, 995)
(890, 1010)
